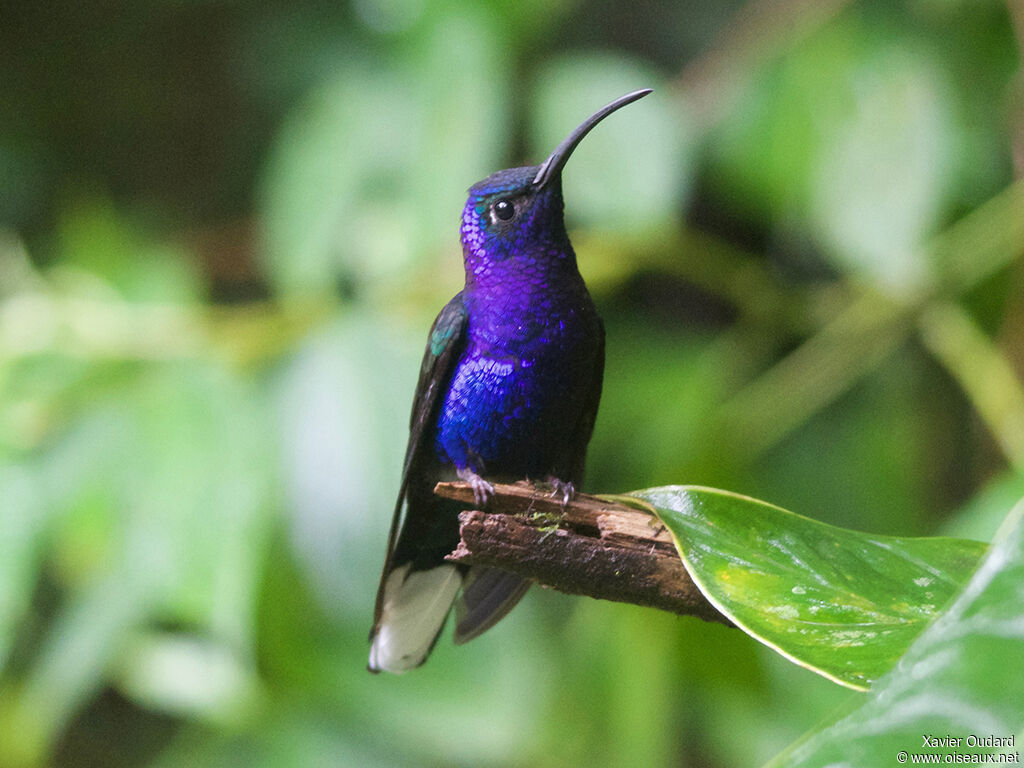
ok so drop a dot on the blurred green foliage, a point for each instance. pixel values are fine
(224, 231)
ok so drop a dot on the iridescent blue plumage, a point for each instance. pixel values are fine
(509, 388)
(530, 367)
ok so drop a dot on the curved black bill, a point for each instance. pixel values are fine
(552, 167)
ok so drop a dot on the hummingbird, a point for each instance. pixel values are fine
(508, 389)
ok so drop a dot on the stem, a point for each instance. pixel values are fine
(982, 371)
(588, 547)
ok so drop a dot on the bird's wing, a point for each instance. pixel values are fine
(444, 345)
(588, 416)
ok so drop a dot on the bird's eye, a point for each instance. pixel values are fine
(504, 210)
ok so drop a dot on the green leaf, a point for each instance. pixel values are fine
(103, 242)
(158, 516)
(369, 172)
(844, 604)
(344, 381)
(883, 170)
(959, 678)
(22, 519)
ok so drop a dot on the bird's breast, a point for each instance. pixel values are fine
(518, 388)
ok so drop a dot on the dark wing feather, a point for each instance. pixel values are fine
(488, 594)
(588, 416)
(444, 345)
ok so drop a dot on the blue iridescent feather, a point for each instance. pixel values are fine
(509, 389)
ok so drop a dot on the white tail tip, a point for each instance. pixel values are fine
(415, 607)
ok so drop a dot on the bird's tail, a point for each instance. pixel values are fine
(416, 604)
(488, 594)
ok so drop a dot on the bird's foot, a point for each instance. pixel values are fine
(482, 490)
(561, 488)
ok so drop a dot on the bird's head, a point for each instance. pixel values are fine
(518, 212)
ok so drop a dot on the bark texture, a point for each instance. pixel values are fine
(590, 546)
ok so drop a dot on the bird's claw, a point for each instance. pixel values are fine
(561, 488)
(482, 490)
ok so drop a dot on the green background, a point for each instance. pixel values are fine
(225, 229)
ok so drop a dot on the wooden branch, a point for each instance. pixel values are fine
(590, 547)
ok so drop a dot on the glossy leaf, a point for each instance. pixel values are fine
(844, 604)
(959, 678)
